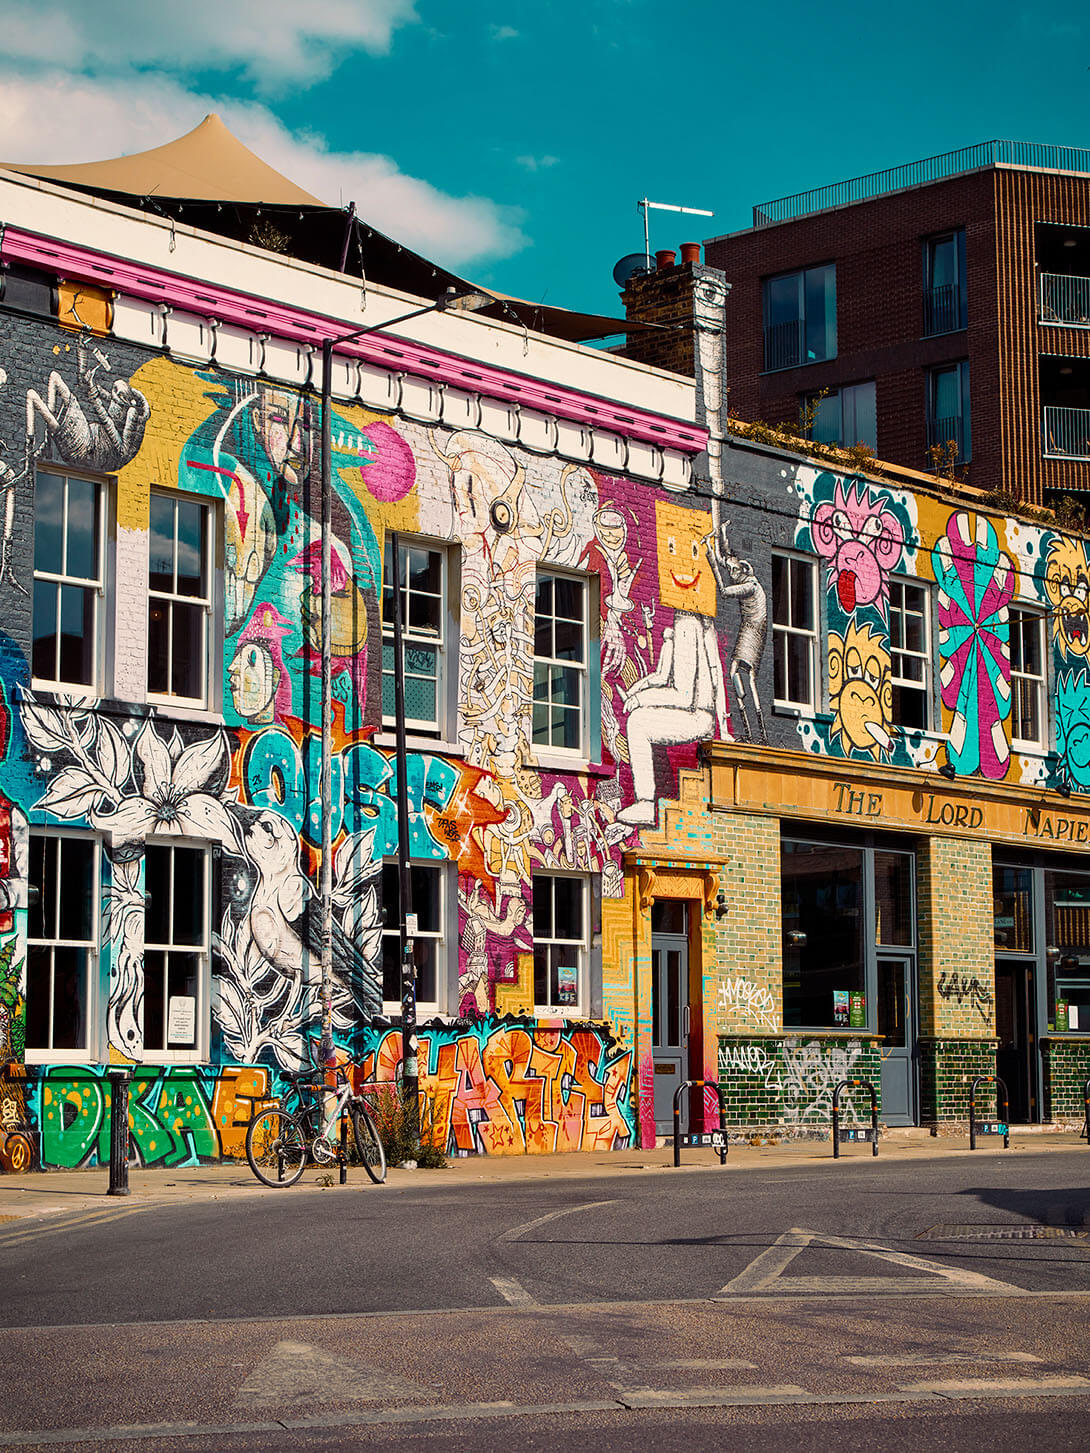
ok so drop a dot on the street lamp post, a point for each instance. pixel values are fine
(450, 302)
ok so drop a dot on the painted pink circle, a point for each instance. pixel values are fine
(391, 471)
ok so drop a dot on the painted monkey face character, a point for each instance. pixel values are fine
(1067, 581)
(1073, 724)
(861, 539)
(282, 423)
(860, 691)
(686, 581)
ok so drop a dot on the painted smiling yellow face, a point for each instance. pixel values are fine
(686, 581)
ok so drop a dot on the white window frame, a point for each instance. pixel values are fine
(581, 667)
(170, 599)
(417, 726)
(59, 578)
(202, 951)
(89, 1049)
(782, 632)
(392, 930)
(1029, 616)
(925, 685)
(581, 946)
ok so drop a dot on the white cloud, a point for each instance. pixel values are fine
(58, 117)
(536, 163)
(276, 42)
(503, 32)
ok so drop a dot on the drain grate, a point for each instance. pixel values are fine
(1003, 1233)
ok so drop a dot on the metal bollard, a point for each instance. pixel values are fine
(344, 1151)
(119, 1130)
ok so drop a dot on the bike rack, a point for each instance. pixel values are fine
(986, 1127)
(851, 1132)
(717, 1139)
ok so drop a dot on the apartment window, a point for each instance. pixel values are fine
(944, 293)
(560, 662)
(794, 630)
(62, 945)
(68, 580)
(948, 413)
(179, 598)
(910, 654)
(800, 317)
(560, 943)
(429, 956)
(423, 575)
(1027, 677)
(845, 416)
(176, 944)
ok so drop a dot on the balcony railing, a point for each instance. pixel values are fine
(943, 309)
(1065, 299)
(1066, 432)
(940, 432)
(783, 344)
(1031, 155)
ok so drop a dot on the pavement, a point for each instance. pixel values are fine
(51, 1192)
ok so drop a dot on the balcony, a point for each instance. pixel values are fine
(783, 345)
(943, 309)
(1066, 432)
(1064, 299)
(943, 432)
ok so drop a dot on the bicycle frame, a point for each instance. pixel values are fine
(321, 1095)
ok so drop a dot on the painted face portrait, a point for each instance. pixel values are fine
(686, 582)
(282, 423)
(254, 677)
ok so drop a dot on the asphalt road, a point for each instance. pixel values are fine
(934, 1304)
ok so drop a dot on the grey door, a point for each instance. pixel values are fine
(897, 1025)
(669, 1010)
(1016, 1031)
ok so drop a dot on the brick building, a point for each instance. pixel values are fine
(948, 299)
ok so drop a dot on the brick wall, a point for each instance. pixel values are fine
(947, 1070)
(1066, 1064)
(956, 935)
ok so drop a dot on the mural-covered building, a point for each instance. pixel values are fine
(564, 577)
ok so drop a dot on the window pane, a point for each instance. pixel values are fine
(543, 907)
(77, 909)
(860, 417)
(39, 974)
(426, 962)
(423, 570)
(69, 997)
(45, 630)
(568, 598)
(782, 302)
(77, 635)
(893, 898)
(820, 303)
(156, 895)
(568, 898)
(826, 425)
(799, 687)
(192, 535)
(159, 646)
(822, 888)
(188, 664)
(48, 523)
(154, 999)
(189, 892)
(780, 591)
(183, 982)
(42, 912)
(426, 898)
(541, 974)
(82, 556)
(391, 968)
(161, 544)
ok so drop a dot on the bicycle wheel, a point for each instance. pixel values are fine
(276, 1147)
(368, 1144)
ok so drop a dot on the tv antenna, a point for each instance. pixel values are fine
(663, 207)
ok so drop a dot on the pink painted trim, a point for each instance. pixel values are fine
(260, 315)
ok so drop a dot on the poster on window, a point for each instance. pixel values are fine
(181, 1020)
(857, 1010)
(840, 1006)
(567, 984)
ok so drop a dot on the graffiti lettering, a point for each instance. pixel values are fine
(961, 987)
(742, 997)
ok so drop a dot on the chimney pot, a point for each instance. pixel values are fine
(665, 259)
(690, 252)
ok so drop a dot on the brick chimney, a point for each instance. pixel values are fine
(666, 296)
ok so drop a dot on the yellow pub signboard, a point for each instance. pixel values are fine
(897, 799)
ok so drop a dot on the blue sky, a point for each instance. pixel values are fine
(511, 141)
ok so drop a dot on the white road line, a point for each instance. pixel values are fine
(512, 1291)
(941, 1359)
(767, 1269)
(517, 1231)
(1002, 1387)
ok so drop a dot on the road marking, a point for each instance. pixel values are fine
(942, 1359)
(1002, 1387)
(512, 1291)
(297, 1372)
(59, 1227)
(766, 1270)
(517, 1231)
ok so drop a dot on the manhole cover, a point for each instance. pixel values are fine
(1003, 1233)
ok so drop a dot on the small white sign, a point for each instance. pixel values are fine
(181, 1020)
(410, 925)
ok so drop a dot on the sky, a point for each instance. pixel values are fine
(511, 141)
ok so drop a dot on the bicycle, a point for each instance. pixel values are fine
(281, 1142)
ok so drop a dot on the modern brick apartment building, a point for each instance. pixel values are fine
(945, 299)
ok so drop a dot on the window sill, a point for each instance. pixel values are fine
(569, 762)
(67, 695)
(791, 709)
(177, 711)
(420, 744)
